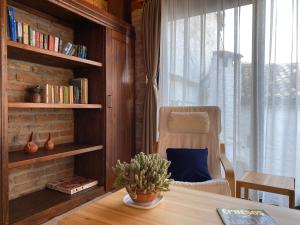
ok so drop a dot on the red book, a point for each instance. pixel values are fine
(51, 40)
(37, 39)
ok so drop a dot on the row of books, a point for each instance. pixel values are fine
(75, 93)
(24, 33)
(75, 50)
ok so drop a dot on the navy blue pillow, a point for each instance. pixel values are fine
(188, 165)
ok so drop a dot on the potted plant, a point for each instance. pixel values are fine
(144, 177)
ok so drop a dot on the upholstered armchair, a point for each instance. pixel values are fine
(197, 127)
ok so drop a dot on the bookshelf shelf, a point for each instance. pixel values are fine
(45, 201)
(32, 54)
(28, 105)
(19, 158)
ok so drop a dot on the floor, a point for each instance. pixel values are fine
(55, 220)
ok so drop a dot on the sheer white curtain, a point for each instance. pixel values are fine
(241, 55)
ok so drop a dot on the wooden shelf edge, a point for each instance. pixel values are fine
(55, 106)
(51, 155)
(61, 203)
(53, 54)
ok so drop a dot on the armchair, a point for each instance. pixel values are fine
(197, 127)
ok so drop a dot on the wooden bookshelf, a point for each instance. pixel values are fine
(19, 158)
(32, 54)
(28, 105)
(103, 130)
(47, 203)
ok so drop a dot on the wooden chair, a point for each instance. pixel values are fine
(197, 127)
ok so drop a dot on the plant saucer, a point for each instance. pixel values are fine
(128, 201)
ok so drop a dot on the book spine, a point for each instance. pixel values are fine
(61, 94)
(83, 187)
(51, 43)
(33, 37)
(71, 96)
(20, 32)
(60, 45)
(86, 90)
(37, 39)
(25, 34)
(56, 44)
(30, 35)
(13, 24)
(66, 48)
(46, 93)
(53, 94)
(46, 37)
(41, 40)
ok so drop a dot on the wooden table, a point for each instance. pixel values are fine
(180, 207)
(266, 182)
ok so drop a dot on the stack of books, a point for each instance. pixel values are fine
(24, 33)
(72, 185)
(75, 93)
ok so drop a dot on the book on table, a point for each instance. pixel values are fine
(245, 217)
(72, 185)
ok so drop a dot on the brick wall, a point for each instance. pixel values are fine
(140, 74)
(60, 122)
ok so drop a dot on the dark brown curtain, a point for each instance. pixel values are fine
(151, 20)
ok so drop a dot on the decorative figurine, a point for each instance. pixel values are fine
(30, 147)
(49, 144)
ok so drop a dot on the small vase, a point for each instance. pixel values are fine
(49, 144)
(146, 198)
(30, 147)
(36, 96)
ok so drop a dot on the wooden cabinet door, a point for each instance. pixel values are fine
(119, 101)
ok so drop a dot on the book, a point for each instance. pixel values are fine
(20, 32)
(41, 40)
(46, 37)
(245, 217)
(46, 93)
(12, 24)
(84, 91)
(61, 95)
(56, 44)
(66, 95)
(25, 34)
(51, 43)
(67, 47)
(71, 96)
(37, 39)
(30, 36)
(60, 45)
(72, 185)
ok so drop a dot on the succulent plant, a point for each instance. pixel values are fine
(144, 174)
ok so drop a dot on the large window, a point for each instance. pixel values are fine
(243, 57)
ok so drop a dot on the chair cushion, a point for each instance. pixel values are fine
(188, 165)
(189, 122)
(217, 186)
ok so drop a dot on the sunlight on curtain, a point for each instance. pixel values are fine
(218, 53)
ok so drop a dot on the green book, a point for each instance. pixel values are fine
(66, 95)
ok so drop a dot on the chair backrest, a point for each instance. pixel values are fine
(191, 127)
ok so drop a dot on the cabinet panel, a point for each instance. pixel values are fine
(120, 101)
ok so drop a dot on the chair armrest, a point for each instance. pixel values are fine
(229, 172)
